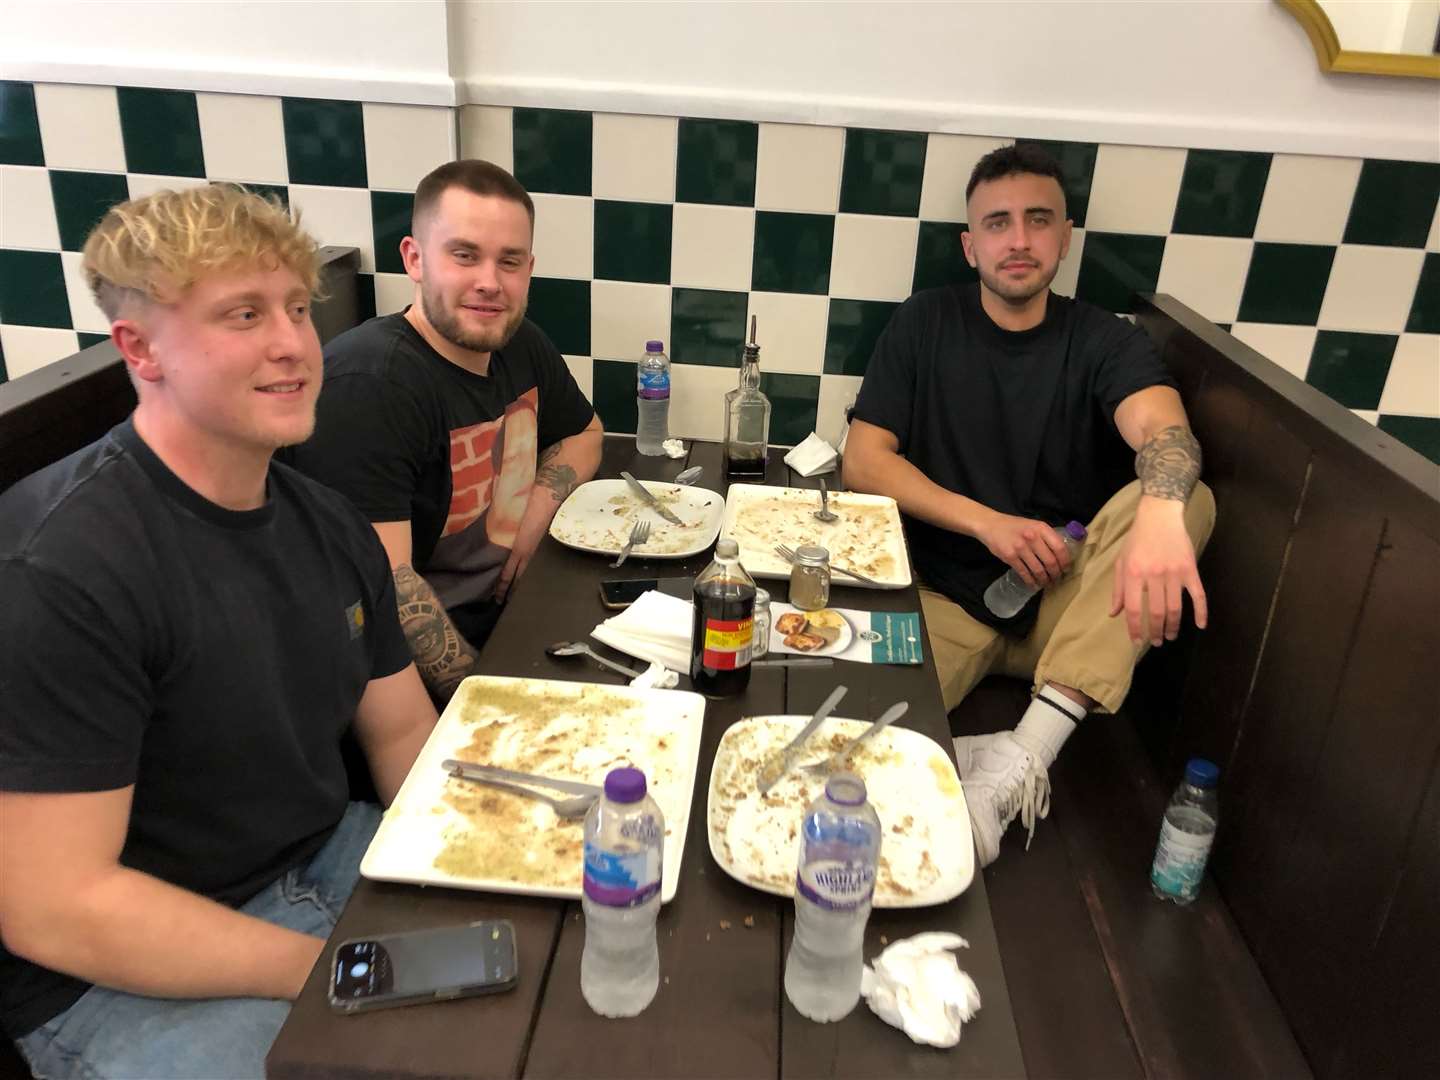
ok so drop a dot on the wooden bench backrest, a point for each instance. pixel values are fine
(1317, 690)
(63, 406)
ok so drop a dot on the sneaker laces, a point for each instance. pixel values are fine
(1024, 792)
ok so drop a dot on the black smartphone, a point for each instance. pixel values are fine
(424, 965)
(621, 594)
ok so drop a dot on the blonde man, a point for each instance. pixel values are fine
(190, 630)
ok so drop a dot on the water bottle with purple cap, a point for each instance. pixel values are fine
(652, 400)
(624, 852)
(1008, 593)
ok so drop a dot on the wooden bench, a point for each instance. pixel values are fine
(1313, 950)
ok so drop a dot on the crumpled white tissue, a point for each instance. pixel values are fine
(916, 984)
(673, 448)
(658, 676)
(813, 456)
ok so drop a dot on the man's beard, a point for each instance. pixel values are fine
(447, 325)
(1018, 292)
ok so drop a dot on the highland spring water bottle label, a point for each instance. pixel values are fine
(1180, 861)
(837, 885)
(621, 879)
(654, 385)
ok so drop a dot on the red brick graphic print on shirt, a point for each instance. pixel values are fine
(492, 471)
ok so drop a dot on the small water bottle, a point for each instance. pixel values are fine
(839, 851)
(1186, 834)
(624, 849)
(652, 400)
(1008, 593)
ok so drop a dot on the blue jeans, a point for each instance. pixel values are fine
(112, 1034)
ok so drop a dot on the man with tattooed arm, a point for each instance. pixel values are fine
(455, 425)
(994, 413)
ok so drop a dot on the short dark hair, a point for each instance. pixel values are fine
(1026, 158)
(475, 176)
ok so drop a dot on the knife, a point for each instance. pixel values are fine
(888, 717)
(770, 775)
(475, 770)
(649, 500)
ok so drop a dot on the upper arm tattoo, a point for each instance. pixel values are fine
(560, 478)
(1168, 465)
(441, 654)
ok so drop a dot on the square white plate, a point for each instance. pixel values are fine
(598, 516)
(867, 537)
(926, 852)
(445, 831)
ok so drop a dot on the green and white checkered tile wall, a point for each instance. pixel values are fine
(681, 228)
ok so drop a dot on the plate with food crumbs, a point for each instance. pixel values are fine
(598, 517)
(442, 830)
(926, 852)
(866, 535)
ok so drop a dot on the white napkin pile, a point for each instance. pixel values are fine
(917, 985)
(655, 628)
(813, 456)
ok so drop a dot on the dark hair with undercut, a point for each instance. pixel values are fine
(1022, 158)
(475, 176)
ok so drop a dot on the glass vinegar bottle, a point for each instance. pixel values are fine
(747, 419)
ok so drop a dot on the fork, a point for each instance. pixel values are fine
(789, 556)
(575, 807)
(639, 533)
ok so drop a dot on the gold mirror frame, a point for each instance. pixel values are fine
(1333, 58)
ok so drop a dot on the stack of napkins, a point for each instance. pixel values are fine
(917, 985)
(813, 456)
(655, 628)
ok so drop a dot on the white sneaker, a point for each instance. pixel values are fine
(1002, 780)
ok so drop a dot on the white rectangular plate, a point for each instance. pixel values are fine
(867, 537)
(598, 516)
(926, 854)
(446, 831)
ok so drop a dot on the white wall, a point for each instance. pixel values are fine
(1237, 74)
(378, 50)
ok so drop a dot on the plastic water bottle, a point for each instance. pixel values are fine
(839, 851)
(652, 400)
(1008, 593)
(1186, 834)
(624, 850)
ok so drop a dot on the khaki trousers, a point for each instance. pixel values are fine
(1074, 641)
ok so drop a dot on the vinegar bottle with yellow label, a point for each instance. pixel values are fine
(721, 638)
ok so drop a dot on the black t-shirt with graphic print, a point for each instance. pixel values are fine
(1022, 422)
(408, 435)
(211, 658)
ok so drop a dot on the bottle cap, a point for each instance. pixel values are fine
(727, 549)
(625, 785)
(1076, 531)
(845, 788)
(654, 346)
(1201, 772)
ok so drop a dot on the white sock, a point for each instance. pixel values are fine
(1047, 723)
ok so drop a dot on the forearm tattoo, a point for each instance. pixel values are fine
(441, 654)
(1168, 465)
(557, 476)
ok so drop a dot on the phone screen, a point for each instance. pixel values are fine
(424, 964)
(619, 594)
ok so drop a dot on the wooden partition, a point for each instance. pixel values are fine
(1315, 688)
(63, 406)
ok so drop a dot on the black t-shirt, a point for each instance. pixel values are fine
(408, 435)
(1022, 422)
(212, 658)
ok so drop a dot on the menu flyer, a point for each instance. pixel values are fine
(867, 637)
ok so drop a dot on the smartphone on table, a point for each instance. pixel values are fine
(424, 965)
(621, 594)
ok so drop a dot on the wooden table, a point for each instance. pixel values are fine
(721, 1010)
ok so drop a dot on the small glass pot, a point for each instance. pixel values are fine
(760, 643)
(810, 578)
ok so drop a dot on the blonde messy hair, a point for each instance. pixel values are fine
(153, 249)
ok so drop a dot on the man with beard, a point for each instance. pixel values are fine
(995, 413)
(455, 425)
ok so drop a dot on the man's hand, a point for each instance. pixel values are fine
(1156, 565)
(527, 538)
(1031, 548)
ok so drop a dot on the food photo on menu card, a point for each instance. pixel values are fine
(866, 637)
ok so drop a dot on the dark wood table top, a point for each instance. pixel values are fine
(720, 1010)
